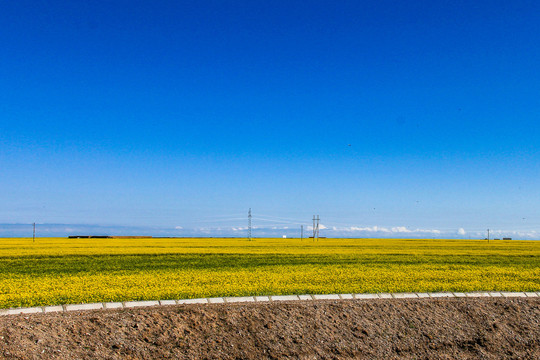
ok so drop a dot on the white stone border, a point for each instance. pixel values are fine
(272, 298)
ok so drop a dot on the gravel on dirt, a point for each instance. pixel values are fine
(446, 328)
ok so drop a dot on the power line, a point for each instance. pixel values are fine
(275, 218)
(275, 221)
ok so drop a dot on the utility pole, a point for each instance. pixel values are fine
(488, 235)
(249, 224)
(314, 227)
(34, 234)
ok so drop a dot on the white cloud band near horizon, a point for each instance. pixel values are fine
(50, 230)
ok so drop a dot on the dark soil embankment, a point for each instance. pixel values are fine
(484, 328)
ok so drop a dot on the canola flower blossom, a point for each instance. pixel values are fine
(54, 271)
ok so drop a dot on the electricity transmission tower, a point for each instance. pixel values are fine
(318, 219)
(316, 227)
(249, 224)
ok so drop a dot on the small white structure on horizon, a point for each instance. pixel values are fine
(284, 236)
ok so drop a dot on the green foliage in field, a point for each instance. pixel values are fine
(59, 270)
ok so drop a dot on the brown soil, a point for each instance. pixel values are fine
(362, 329)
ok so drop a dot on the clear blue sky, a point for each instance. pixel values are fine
(417, 118)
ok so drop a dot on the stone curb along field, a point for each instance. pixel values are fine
(272, 298)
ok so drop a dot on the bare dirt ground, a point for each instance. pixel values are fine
(484, 328)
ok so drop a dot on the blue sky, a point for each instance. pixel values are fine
(387, 119)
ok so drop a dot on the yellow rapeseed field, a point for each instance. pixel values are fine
(59, 270)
